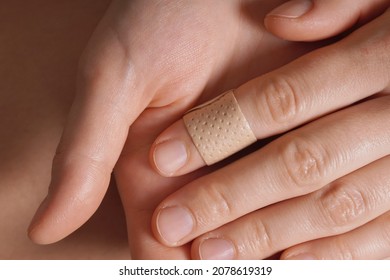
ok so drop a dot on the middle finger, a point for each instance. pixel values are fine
(296, 164)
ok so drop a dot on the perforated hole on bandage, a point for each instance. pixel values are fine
(218, 128)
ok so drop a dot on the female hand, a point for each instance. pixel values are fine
(324, 185)
(141, 188)
(154, 59)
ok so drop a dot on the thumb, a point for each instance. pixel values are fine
(108, 100)
(311, 20)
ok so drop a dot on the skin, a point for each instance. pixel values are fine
(80, 179)
(118, 73)
(336, 178)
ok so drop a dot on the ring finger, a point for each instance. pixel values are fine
(338, 208)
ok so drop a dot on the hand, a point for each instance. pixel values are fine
(141, 188)
(153, 59)
(325, 183)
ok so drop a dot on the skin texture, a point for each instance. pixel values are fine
(41, 44)
(314, 164)
(117, 73)
(118, 78)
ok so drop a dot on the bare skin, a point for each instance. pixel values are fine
(158, 92)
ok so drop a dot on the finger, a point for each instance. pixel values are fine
(316, 84)
(370, 241)
(310, 20)
(344, 205)
(108, 100)
(141, 188)
(296, 164)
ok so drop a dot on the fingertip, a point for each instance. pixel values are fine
(285, 20)
(43, 229)
(169, 156)
(304, 20)
(34, 231)
(38, 237)
(292, 9)
(68, 206)
(172, 225)
(195, 249)
(154, 227)
(173, 153)
(211, 247)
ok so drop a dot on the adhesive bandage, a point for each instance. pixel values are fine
(218, 128)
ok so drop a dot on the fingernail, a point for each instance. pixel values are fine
(169, 156)
(174, 223)
(292, 9)
(301, 256)
(216, 249)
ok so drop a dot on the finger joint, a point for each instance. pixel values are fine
(281, 100)
(260, 238)
(217, 204)
(342, 206)
(306, 162)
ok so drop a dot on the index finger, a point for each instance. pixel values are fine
(314, 85)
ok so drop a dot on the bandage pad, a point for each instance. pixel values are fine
(218, 128)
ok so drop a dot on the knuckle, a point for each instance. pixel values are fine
(305, 162)
(95, 164)
(217, 203)
(259, 238)
(96, 65)
(342, 205)
(281, 99)
(342, 249)
(65, 159)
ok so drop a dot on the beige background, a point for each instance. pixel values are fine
(40, 43)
